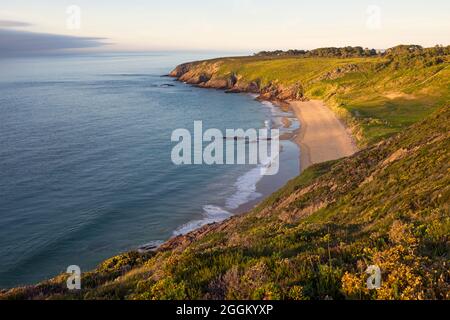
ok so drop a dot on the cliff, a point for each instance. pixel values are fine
(207, 75)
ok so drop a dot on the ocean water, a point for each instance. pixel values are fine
(85, 167)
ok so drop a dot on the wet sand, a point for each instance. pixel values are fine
(322, 136)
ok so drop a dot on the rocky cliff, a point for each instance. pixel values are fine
(206, 75)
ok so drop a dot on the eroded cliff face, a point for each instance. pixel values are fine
(207, 75)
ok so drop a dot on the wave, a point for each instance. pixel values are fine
(211, 214)
(244, 193)
(245, 189)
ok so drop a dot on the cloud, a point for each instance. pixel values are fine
(17, 42)
(12, 24)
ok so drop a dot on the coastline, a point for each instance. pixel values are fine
(284, 119)
(306, 125)
(311, 128)
(254, 186)
(322, 136)
(262, 253)
(309, 131)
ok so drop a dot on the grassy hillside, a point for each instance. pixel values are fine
(387, 205)
(377, 96)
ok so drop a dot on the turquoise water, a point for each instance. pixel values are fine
(85, 168)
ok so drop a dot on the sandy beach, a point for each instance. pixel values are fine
(322, 136)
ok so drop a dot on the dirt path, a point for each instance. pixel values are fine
(322, 136)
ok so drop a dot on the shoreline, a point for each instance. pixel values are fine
(284, 119)
(318, 136)
(310, 126)
(312, 118)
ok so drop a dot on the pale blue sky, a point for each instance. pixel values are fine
(244, 25)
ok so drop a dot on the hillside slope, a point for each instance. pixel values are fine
(387, 205)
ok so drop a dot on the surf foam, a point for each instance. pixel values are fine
(211, 214)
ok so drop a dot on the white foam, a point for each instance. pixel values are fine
(211, 214)
(245, 189)
(270, 105)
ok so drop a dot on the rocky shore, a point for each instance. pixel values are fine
(207, 76)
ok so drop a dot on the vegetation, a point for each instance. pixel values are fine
(344, 52)
(387, 205)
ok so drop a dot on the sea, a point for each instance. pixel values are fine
(85, 159)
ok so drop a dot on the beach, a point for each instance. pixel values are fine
(322, 136)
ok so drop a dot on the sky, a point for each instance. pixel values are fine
(232, 25)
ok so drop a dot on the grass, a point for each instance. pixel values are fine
(281, 70)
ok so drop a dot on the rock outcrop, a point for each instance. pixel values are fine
(207, 76)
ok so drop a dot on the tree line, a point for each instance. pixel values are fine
(406, 51)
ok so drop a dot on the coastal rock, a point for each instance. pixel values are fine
(253, 87)
(180, 70)
(195, 78)
(339, 72)
(294, 92)
(221, 83)
(217, 84)
(208, 77)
